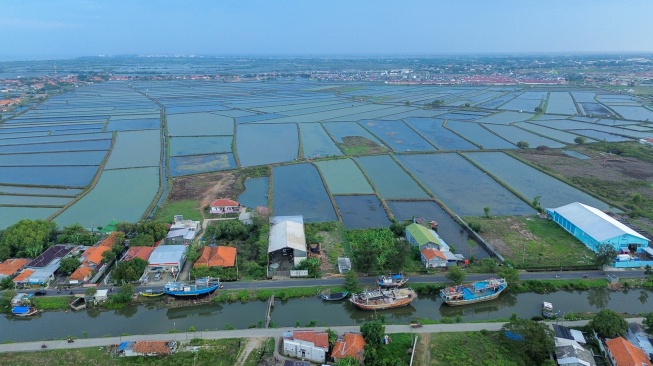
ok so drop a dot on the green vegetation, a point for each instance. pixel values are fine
(471, 348)
(264, 294)
(128, 271)
(523, 144)
(352, 285)
(456, 275)
(26, 239)
(531, 242)
(258, 355)
(534, 343)
(64, 357)
(190, 209)
(648, 322)
(609, 324)
(434, 104)
(606, 254)
(51, 302)
(548, 286)
(155, 230)
(69, 264)
(122, 298)
(377, 250)
(358, 145)
(76, 234)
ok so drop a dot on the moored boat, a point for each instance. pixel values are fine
(200, 287)
(395, 280)
(383, 298)
(328, 296)
(24, 311)
(152, 293)
(474, 292)
(547, 310)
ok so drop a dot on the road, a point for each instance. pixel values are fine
(370, 281)
(249, 333)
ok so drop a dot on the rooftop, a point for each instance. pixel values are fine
(12, 265)
(430, 253)
(153, 347)
(24, 275)
(139, 252)
(167, 255)
(223, 202)
(319, 339)
(287, 232)
(94, 254)
(80, 273)
(626, 354)
(221, 256)
(422, 234)
(351, 345)
(56, 251)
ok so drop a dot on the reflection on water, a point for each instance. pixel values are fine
(598, 297)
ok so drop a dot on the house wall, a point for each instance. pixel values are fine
(435, 262)
(304, 350)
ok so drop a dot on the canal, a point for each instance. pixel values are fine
(144, 319)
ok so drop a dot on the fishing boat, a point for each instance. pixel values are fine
(24, 311)
(547, 310)
(152, 293)
(474, 292)
(336, 296)
(383, 298)
(200, 287)
(395, 280)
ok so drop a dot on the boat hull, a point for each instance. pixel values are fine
(24, 313)
(383, 299)
(397, 304)
(473, 301)
(192, 293)
(334, 297)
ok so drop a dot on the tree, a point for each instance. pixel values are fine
(312, 265)
(509, 274)
(128, 271)
(456, 274)
(486, 212)
(69, 264)
(609, 324)
(142, 240)
(26, 238)
(333, 337)
(532, 340)
(91, 291)
(125, 294)
(648, 322)
(76, 234)
(539, 110)
(580, 140)
(488, 265)
(108, 256)
(373, 333)
(648, 271)
(523, 144)
(605, 254)
(351, 284)
(537, 204)
(347, 361)
(377, 250)
(6, 283)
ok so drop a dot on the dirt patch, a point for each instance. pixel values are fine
(359, 144)
(205, 187)
(423, 351)
(251, 345)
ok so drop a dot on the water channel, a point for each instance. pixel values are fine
(143, 319)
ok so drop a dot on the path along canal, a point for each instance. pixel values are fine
(146, 319)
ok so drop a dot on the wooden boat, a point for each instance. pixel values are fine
(474, 292)
(202, 286)
(383, 298)
(152, 293)
(24, 311)
(328, 296)
(547, 310)
(395, 280)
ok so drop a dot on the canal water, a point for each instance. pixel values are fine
(143, 319)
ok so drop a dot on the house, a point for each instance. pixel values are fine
(433, 258)
(138, 252)
(147, 348)
(421, 236)
(350, 345)
(638, 337)
(563, 332)
(287, 245)
(622, 353)
(168, 258)
(180, 236)
(573, 355)
(220, 256)
(306, 344)
(92, 256)
(646, 141)
(41, 269)
(594, 228)
(81, 274)
(223, 205)
(11, 267)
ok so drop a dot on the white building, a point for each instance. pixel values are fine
(168, 258)
(306, 344)
(287, 240)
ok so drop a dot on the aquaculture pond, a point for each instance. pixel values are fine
(93, 158)
(134, 149)
(261, 144)
(198, 145)
(397, 135)
(199, 124)
(443, 138)
(462, 187)
(361, 212)
(515, 135)
(195, 164)
(10, 215)
(480, 136)
(448, 229)
(506, 117)
(134, 124)
(122, 194)
(342, 176)
(56, 146)
(64, 176)
(255, 193)
(551, 133)
(316, 142)
(344, 129)
(530, 182)
(389, 179)
(298, 190)
(561, 103)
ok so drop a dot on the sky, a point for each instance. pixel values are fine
(46, 29)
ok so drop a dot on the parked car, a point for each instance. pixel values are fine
(40, 293)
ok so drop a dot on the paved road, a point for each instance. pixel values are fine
(369, 281)
(249, 333)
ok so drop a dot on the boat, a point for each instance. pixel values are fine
(152, 293)
(383, 298)
(474, 292)
(24, 311)
(200, 287)
(336, 296)
(395, 280)
(547, 310)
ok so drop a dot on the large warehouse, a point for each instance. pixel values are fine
(287, 247)
(594, 227)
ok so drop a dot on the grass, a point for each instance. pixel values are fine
(267, 351)
(398, 348)
(189, 208)
(264, 295)
(357, 145)
(52, 302)
(80, 356)
(470, 348)
(530, 242)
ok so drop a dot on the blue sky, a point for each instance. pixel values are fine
(42, 29)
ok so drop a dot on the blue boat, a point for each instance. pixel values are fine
(24, 311)
(200, 287)
(391, 281)
(474, 292)
(328, 296)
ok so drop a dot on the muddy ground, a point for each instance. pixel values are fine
(204, 187)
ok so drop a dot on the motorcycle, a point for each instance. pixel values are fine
(44, 345)
(70, 340)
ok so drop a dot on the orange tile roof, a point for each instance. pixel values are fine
(223, 202)
(108, 241)
(94, 254)
(139, 252)
(625, 354)
(80, 273)
(352, 345)
(220, 256)
(430, 253)
(24, 275)
(152, 347)
(13, 265)
(320, 339)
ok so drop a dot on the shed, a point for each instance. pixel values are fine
(287, 243)
(101, 295)
(422, 236)
(168, 258)
(594, 228)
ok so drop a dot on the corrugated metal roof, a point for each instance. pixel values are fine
(287, 232)
(166, 254)
(422, 234)
(594, 222)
